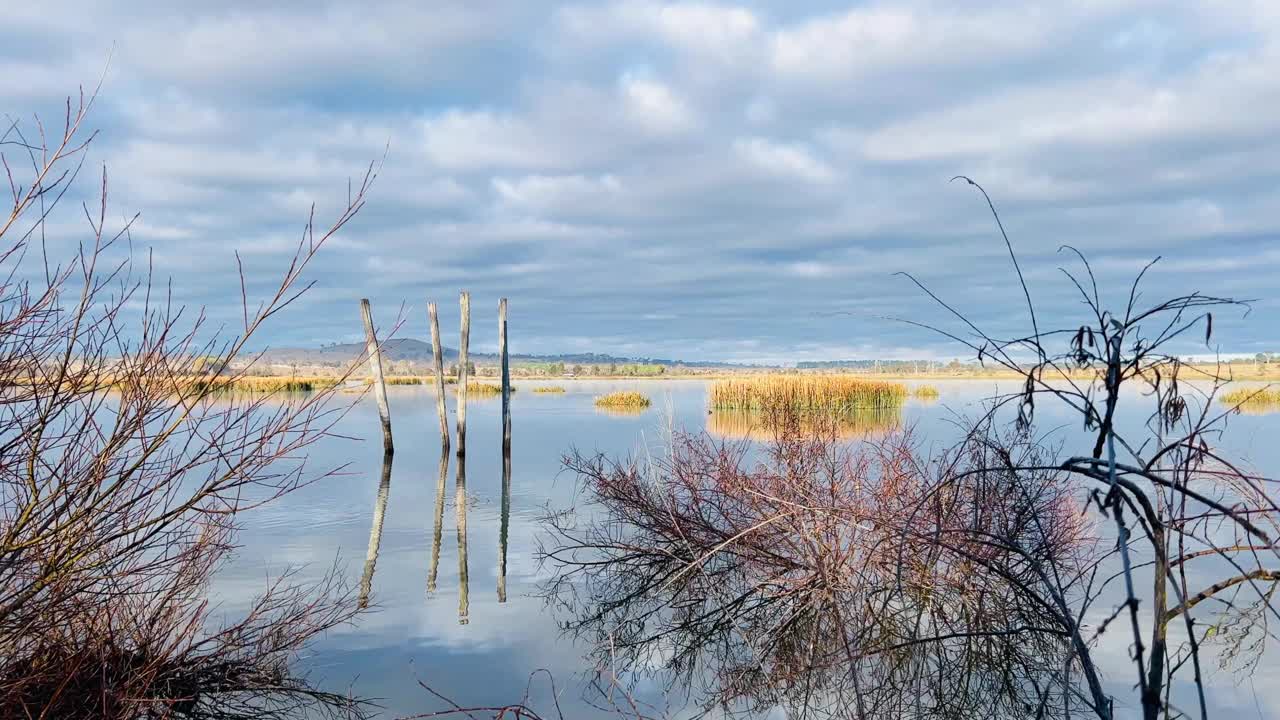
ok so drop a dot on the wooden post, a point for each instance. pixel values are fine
(438, 353)
(464, 302)
(375, 531)
(379, 384)
(506, 451)
(460, 504)
(506, 377)
(436, 533)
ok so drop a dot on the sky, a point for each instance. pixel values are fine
(701, 181)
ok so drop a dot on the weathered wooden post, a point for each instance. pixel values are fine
(375, 531)
(506, 451)
(464, 302)
(506, 377)
(379, 383)
(437, 352)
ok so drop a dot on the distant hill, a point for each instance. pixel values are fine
(418, 351)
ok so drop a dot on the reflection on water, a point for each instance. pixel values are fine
(620, 410)
(375, 531)
(439, 519)
(460, 505)
(511, 632)
(763, 427)
(437, 532)
(1259, 408)
(505, 522)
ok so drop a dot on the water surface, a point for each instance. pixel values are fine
(453, 605)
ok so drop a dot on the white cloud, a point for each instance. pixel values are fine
(810, 269)
(710, 31)
(547, 193)
(864, 40)
(460, 139)
(784, 160)
(654, 106)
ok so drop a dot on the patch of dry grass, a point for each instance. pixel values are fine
(805, 393)
(255, 384)
(1253, 397)
(403, 380)
(479, 389)
(628, 399)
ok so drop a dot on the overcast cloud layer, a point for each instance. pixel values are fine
(701, 181)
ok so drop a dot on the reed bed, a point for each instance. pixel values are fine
(210, 384)
(404, 380)
(622, 400)
(805, 393)
(548, 389)
(255, 384)
(925, 392)
(479, 389)
(1253, 397)
(769, 427)
(269, 384)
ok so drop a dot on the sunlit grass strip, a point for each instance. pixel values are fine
(256, 384)
(805, 393)
(925, 392)
(269, 384)
(628, 399)
(1253, 396)
(403, 380)
(548, 389)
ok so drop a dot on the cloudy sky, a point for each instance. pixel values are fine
(705, 181)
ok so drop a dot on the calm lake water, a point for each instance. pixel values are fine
(412, 633)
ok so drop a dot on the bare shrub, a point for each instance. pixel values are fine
(122, 475)
(827, 578)
(1174, 502)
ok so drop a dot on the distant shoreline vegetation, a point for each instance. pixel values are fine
(272, 380)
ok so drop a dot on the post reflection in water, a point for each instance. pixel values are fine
(460, 502)
(375, 531)
(439, 519)
(505, 522)
(438, 531)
